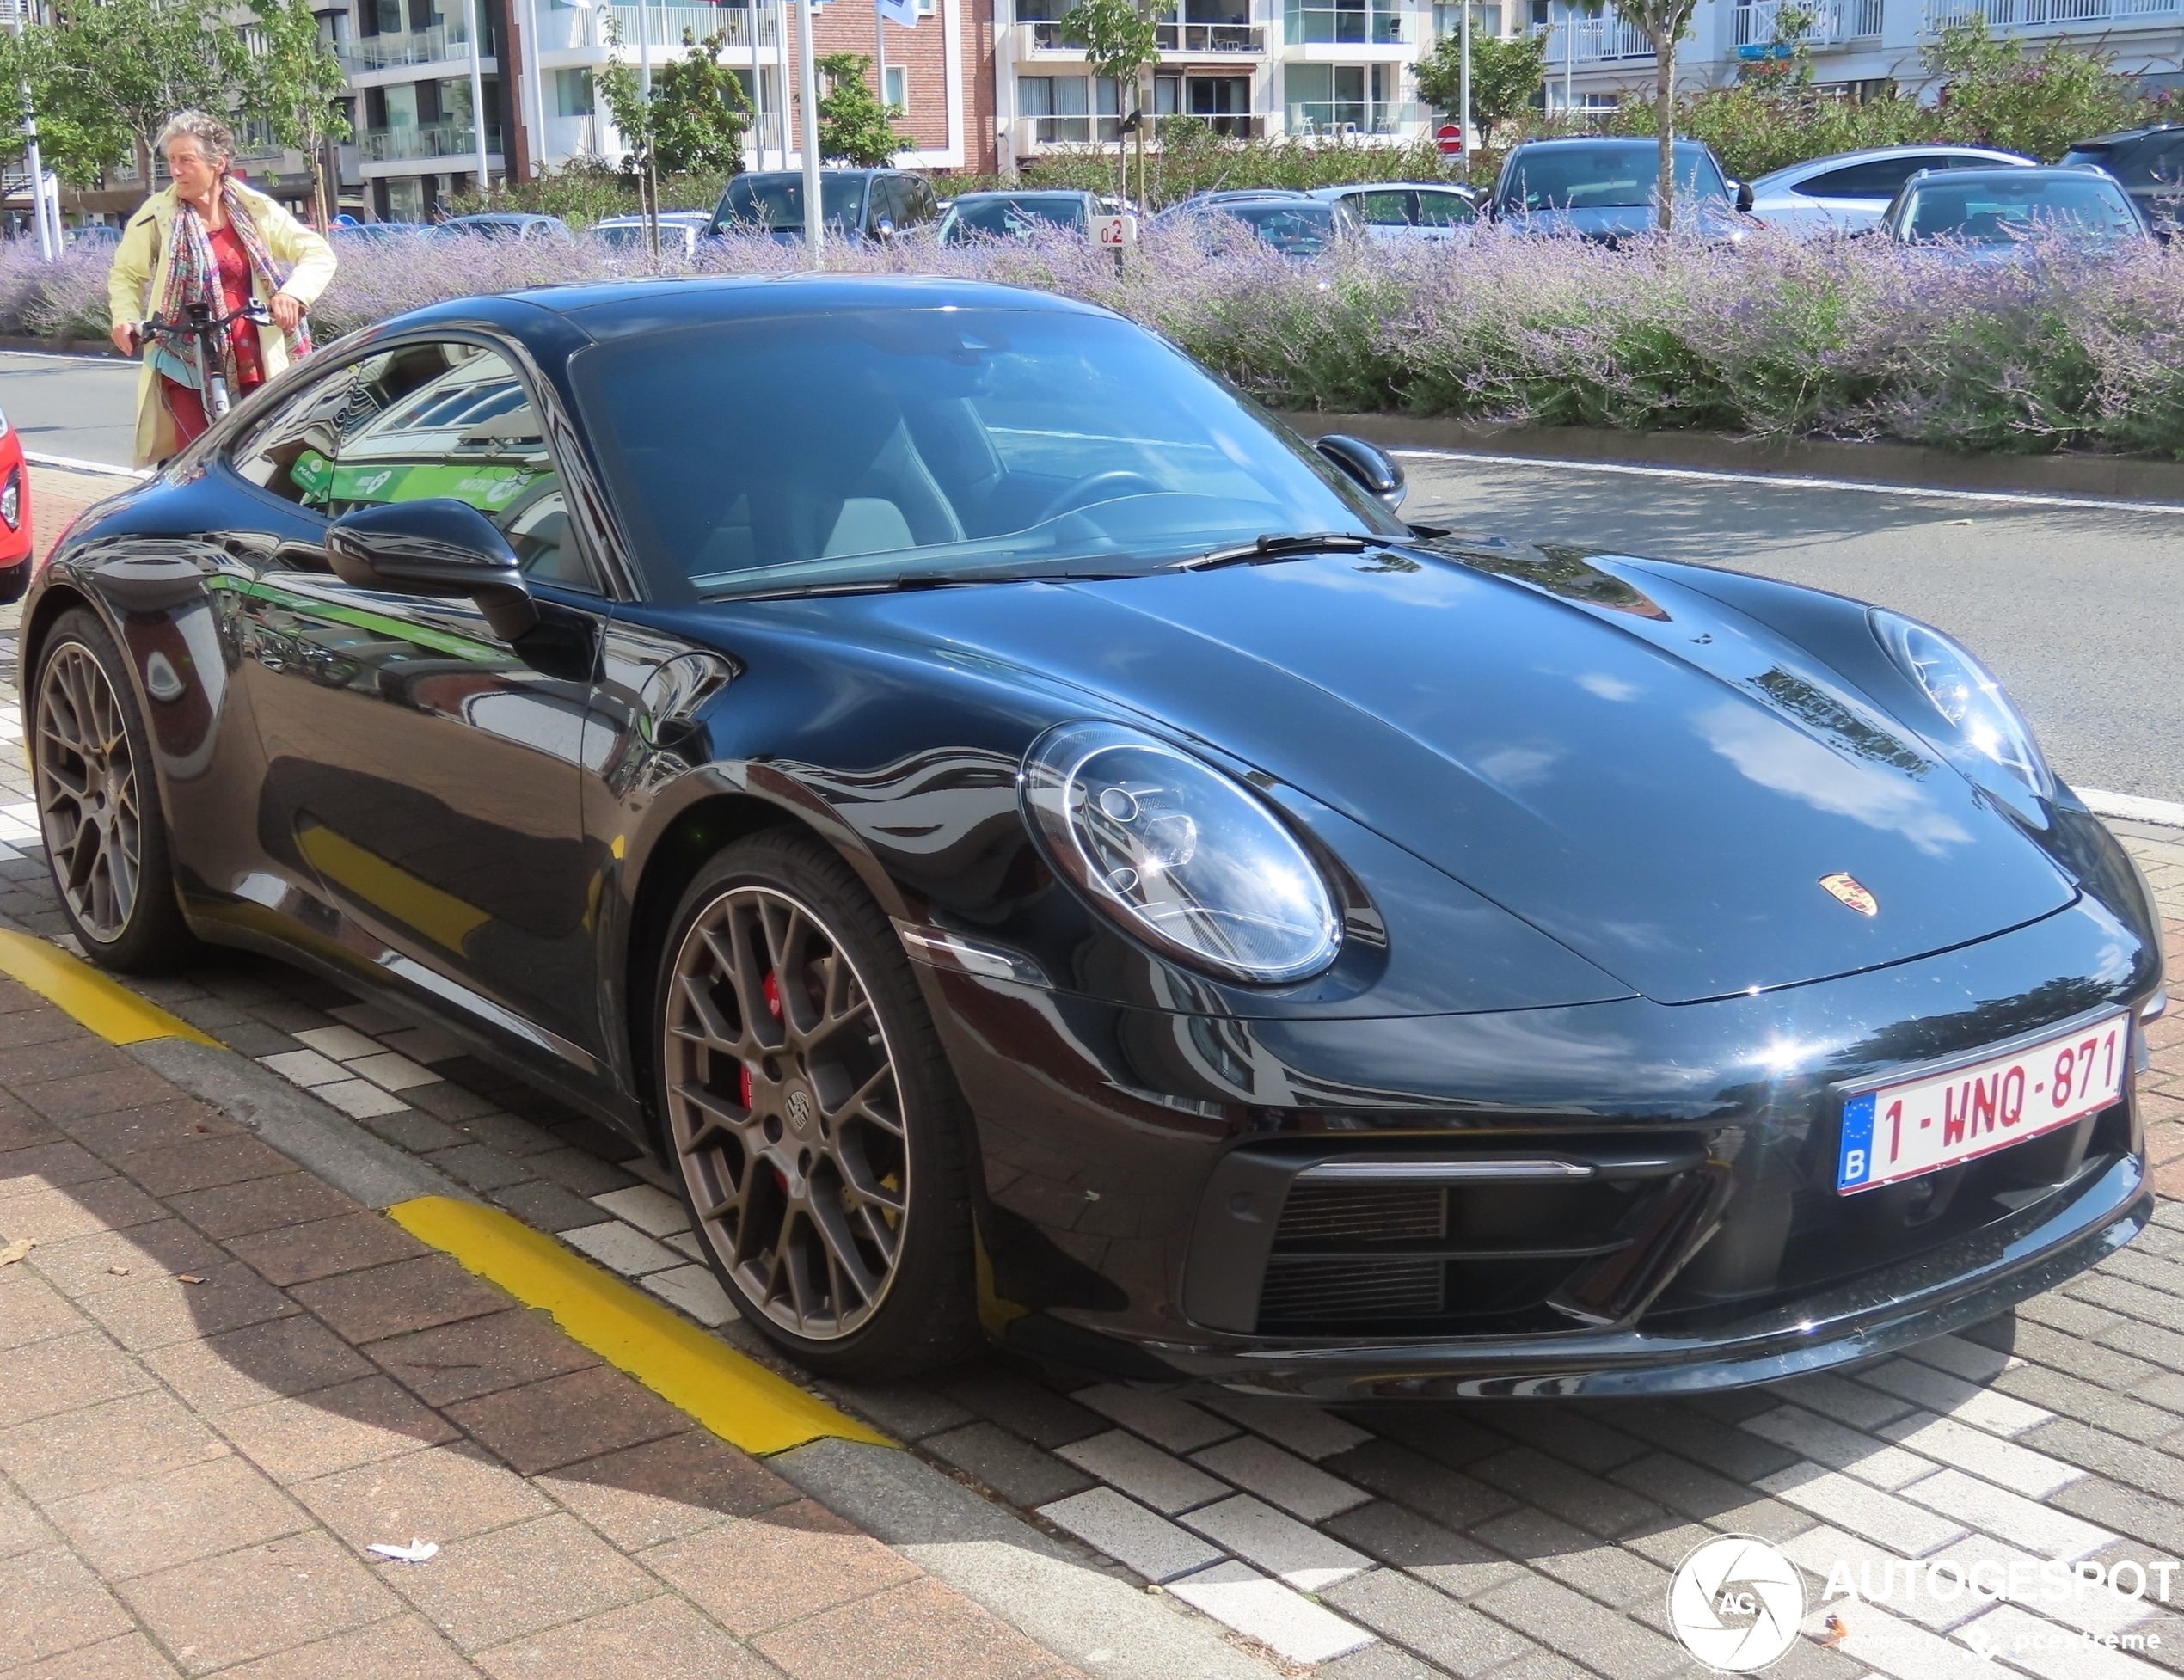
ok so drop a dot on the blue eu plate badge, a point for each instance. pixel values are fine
(1855, 1166)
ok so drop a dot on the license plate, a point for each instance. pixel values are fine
(1901, 1130)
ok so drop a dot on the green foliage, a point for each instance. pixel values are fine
(292, 81)
(585, 190)
(1665, 22)
(1120, 40)
(1194, 158)
(699, 111)
(1994, 94)
(1505, 74)
(855, 127)
(106, 74)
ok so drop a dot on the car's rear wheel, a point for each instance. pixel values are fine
(816, 1127)
(98, 802)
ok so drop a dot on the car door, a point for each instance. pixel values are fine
(1443, 215)
(1854, 198)
(421, 790)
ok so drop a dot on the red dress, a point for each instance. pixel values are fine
(187, 406)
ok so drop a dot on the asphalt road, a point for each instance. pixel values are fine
(2079, 610)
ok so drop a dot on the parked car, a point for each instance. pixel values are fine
(1294, 223)
(92, 233)
(1989, 215)
(1254, 940)
(857, 203)
(504, 225)
(1849, 192)
(1016, 215)
(1407, 211)
(2148, 161)
(680, 232)
(1605, 189)
(15, 515)
(377, 233)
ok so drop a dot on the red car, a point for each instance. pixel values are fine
(15, 515)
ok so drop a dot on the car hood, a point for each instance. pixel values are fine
(1654, 780)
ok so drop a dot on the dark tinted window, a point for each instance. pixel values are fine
(1294, 227)
(1017, 218)
(1601, 174)
(930, 443)
(1878, 180)
(777, 201)
(924, 206)
(1384, 210)
(1998, 208)
(1444, 210)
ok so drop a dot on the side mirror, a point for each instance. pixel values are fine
(885, 227)
(1745, 200)
(434, 547)
(1369, 464)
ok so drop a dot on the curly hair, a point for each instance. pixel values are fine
(214, 137)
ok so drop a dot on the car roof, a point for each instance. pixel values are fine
(2073, 171)
(1543, 142)
(638, 221)
(1838, 160)
(1455, 186)
(1023, 193)
(2123, 136)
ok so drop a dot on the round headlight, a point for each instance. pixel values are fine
(11, 500)
(1186, 860)
(1965, 693)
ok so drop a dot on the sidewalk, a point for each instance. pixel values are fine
(221, 1379)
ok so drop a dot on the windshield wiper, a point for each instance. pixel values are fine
(1276, 546)
(902, 583)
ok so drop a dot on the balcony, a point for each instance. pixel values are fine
(395, 145)
(1033, 134)
(2002, 15)
(663, 26)
(1352, 118)
(1765, 23)
(1377, 24)
(1209, 39)
(1601, 40)
(443, 43)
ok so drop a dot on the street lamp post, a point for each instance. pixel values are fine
(807, 90)
(477, 94)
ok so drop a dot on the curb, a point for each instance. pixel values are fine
(1898, 466)
(71, 463)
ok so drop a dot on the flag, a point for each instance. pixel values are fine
(903, 12)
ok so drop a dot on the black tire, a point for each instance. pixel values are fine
(98, 802)
(812, 1120)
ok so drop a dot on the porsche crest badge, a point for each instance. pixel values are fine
(1849, 890)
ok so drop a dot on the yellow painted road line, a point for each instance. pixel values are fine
(108, 1009)
(732, 1396)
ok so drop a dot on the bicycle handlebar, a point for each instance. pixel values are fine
(157, 327)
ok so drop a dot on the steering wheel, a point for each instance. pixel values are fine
(1101, 487)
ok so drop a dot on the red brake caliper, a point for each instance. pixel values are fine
(773, 1003)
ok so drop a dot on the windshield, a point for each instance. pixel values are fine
(773, 201)
(1294, 227)
(1016, 218)
(1994, 210)
(869, 446)
(1604, 175)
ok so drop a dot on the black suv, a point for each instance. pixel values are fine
(858, 204)
(2149, 162)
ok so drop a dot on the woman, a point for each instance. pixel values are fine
(208, 239)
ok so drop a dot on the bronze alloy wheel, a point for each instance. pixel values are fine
(785, 1107)
(88, 801)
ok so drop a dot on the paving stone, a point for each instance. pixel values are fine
(2143, 1516)
(503, 1131)
(253, 1039)
(399, 1298)
(2017, 1468)
(2089, 1403)
(1448, 1497)
(1681, 1427)
(2150, 1469)
(1441, 1433)
(402, 1647)
(307, 1068)
(907, 1411)
(1839, 1398)
(1564, 1433)
(1537, 1480)
(1126, 1531)
(1616, 1577)
(1306, 1430)
(2061, 1351)
(759, 1572)
(102, 1205)
(574, 1169)
(333, 1429)
(1863, 1509)
(258, 1363)
(623, 1249)
(562, 1420)
(1567, 1623)
(2133, 1300)
(134, 1528)
(1460, 1567)
(2040, 1647)
(693, 1289)
(359, 1099)
(666, 1488)
(167, 1309)
(2066, 1314)
(1144, 1471)
(131, 1657)
(1292, 1625)
(422, 1044)
(1293, 1552)
(1387, 1662)
(106, 1260)
(501, 1585)
(204, 1164)
(81, 1450)
(265, 1598)
(298, 1254)
(1174, 1424)
(651, 1639)
(237, 1210)
(1839, 1447)
(290, 1016)
(393, 1072)
(922, 1630)
(444, 1493)
(1258, 1466)
(46, 1166)
(1979, 1504)
(544, 1206)
(1438, 1628)
(653, 1212)
(32, 1310)
(1019, 1472)
(451, 1101)
(336, 1043)
(54, 1604)
(1024, 1407)
(1686, 1488)
(152, 1126)
(421, 1134)
(64, 1100)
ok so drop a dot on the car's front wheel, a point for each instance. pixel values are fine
(98, 802)
(815, 1123)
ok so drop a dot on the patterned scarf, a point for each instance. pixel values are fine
(194, 275)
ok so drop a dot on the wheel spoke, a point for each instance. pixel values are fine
(88, 802)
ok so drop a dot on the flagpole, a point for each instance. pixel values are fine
(880, 35)
(758, 92)
(807, 88)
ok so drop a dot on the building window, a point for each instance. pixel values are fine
(1448, 20)
(898, 87)
(1341, 99)
(573, 95)
(1061, 107)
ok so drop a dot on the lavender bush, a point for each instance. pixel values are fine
(1845, 339)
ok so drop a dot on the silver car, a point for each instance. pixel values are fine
(680, 231)
(1849, 192)
(1404, 212)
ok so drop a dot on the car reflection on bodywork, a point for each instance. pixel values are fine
(1039, 850)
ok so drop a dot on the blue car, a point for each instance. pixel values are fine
(1607, 190)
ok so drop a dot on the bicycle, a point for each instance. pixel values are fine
(196, 330)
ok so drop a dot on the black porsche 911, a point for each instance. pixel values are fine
(1043, 851)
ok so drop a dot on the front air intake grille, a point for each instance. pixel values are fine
(1303, 1289)
(1326, 1212)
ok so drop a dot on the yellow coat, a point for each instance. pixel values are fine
(139, 274)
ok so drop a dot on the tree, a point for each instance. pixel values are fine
(855, 127)
(1505, 76)
(1665, 22)
(1994, 94)
(699, 110)
(292, 84)
(1120, 43)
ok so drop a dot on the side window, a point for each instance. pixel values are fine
(420, 421)
(1879, 179)
(1384, 210)
(1444, 210)
(924, 205)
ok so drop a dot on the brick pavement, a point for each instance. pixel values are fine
(1520, 1542)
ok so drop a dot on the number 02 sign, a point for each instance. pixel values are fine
(1113, 232)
